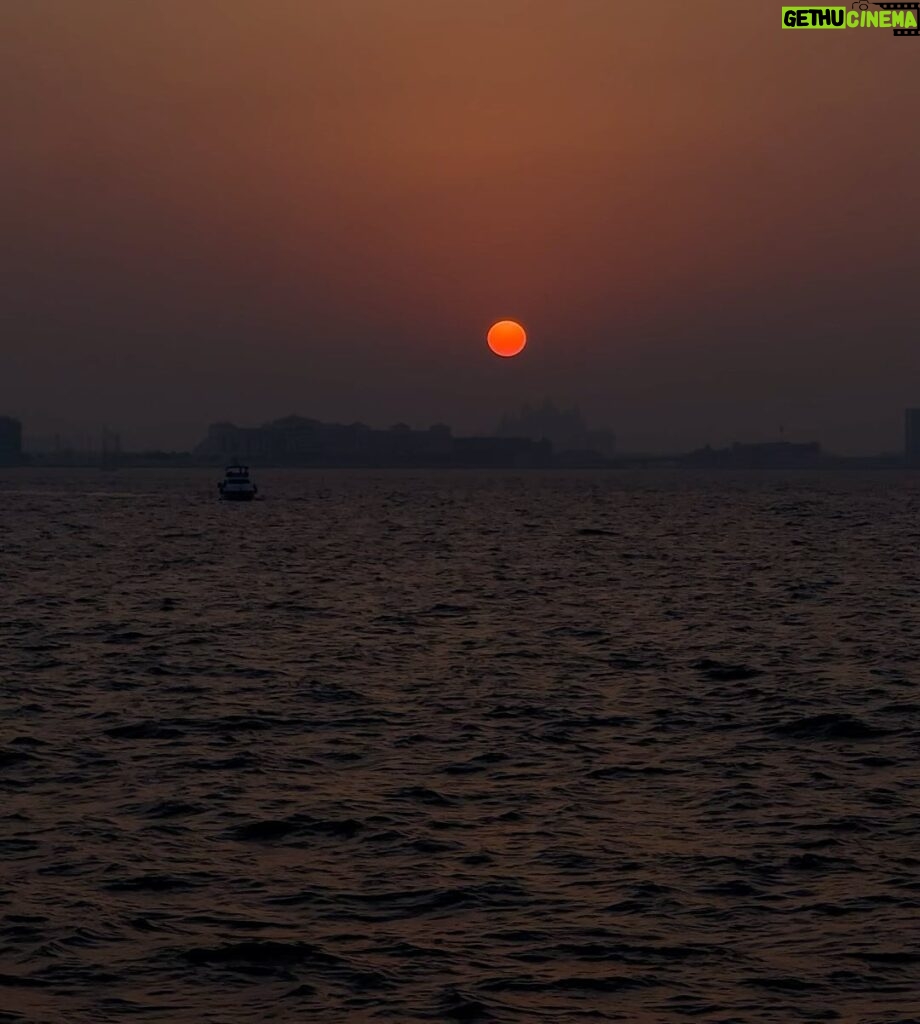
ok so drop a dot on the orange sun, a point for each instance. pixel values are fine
(506, 338)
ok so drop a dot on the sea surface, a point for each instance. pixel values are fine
(456, 746)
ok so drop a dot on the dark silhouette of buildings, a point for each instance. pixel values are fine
(563, 428)
(298, 441)
(10, 440)
(912, 437)
(771, 455)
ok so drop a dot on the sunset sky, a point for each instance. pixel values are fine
(239, 209)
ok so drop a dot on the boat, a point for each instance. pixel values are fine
(236, 485)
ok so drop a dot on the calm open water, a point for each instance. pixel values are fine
(459, 747)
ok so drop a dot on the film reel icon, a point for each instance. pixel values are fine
(912, 5)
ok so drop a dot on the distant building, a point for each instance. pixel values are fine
(501, 452)
(298, 441)
(912, 437)
(563, 428)
(770, 455)
(10, 440)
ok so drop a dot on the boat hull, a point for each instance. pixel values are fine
(237, 495)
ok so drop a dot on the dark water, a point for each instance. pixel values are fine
(434, 747)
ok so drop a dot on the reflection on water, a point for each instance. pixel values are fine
(479, 747)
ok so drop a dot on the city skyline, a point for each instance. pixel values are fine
(535, 436)
(90, 435)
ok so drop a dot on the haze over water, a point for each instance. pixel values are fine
(459, 746)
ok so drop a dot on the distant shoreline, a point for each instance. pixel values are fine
(645, 463)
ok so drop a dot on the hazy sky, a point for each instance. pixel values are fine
(238, 209)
